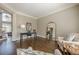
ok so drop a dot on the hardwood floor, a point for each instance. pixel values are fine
(7, 47)
(40, 44)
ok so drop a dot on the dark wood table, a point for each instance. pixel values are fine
(27, 34)
(7, 47)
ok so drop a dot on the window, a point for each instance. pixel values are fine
(6, 27)
(6, 17)
(6, 22)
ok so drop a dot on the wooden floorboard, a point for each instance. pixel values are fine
(40, 44)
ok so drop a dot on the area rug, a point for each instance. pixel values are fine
(31, 52)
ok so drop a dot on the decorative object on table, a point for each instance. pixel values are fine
(51, 31)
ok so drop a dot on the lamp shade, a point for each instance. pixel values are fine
(22, 26)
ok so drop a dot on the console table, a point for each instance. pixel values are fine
(28, 34)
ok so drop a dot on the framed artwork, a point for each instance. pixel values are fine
(28, 26)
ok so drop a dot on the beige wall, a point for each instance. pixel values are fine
(22, 20)
(67, 21)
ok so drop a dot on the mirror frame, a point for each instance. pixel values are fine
(54, 25)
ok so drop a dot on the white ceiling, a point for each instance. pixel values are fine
(38, 9)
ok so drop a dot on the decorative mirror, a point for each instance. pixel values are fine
(28, 26)
(51, 31)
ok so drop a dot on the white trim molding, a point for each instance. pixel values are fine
(44, 37)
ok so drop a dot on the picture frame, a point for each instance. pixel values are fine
(28, 26)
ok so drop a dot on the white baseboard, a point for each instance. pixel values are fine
(16, 39)
(43, 36)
